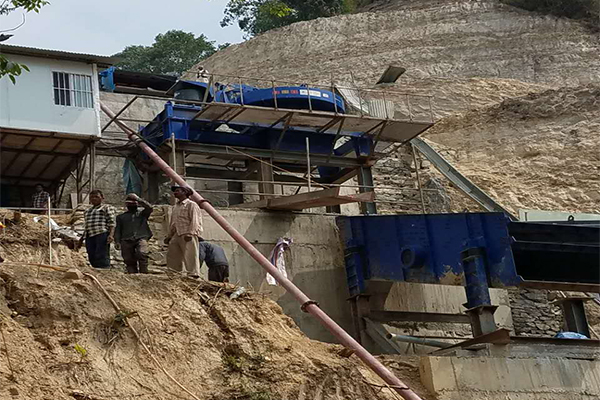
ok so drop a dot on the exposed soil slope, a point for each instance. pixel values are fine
(66, 341)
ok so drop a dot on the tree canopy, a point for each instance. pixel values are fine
(8, 68)
(258, 16)
(172, 53)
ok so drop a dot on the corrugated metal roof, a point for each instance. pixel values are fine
(102, 61)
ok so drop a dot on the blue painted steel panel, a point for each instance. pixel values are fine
(178, 119)
(291, 97)
(425, 248)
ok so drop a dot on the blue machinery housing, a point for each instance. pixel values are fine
(477, 250)
(187, 122)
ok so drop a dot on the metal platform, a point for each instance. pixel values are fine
(216, 138)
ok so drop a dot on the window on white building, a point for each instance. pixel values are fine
(72, 90)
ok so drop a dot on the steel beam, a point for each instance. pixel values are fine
(365, 178)
(130, 102)
(39, 152)
(566, 286)
(24, 178)
(225, 152)
(574, 315)
(500, 336)
(411, 316)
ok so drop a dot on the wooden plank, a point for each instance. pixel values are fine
(320, 198)
(253, 204)
(287, 201)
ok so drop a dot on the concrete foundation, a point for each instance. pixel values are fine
(490, 378)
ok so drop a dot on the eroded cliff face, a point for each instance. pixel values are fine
(442, 44)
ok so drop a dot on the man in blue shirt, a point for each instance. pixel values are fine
(218, 267)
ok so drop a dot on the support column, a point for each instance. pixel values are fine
(574, 316)
(92, 165)
(152, 186)
(177, 162)
(479, 304)
(365, 177)
(265, 174)
(79, 178)
(235, 198)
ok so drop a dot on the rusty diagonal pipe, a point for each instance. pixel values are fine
(307, 304)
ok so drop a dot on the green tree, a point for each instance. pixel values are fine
(172, 53)
(258, 16)
(8, 68)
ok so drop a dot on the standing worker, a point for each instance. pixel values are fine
(218, 266)
(132, 234)
(185, 230)
(40, 199)
(99, 231)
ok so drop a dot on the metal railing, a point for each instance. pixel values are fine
(364, 101)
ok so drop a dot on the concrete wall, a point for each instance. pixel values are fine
(29, 104)
(315, 264)
(489, 378)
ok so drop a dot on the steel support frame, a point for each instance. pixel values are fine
(227, 152)
(479, 304)
(575, 319)
(365, 178)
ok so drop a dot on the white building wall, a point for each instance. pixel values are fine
(29, 104)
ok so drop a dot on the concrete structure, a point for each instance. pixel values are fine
(507, 378)
(540, 215)
(315, 263)
(49, 121)
(31, 103)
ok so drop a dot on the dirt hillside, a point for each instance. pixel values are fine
(540, 151)
(65, 340)
(442, 44)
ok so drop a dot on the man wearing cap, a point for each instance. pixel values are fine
(132, 234)
(185, 230)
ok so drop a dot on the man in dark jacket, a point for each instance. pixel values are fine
(218, 267)
(132, 234)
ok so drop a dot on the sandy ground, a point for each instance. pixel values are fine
(65, 340)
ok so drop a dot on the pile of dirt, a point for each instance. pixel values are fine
(65, 340)
(24, 239)
(21, 228)
(540, 151)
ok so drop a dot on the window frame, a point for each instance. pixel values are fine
(77, 90)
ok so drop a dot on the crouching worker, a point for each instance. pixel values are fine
(218, 267)
(185, 230)
(132, 234)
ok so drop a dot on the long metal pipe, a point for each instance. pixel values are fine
(417, 340)
(307, 304)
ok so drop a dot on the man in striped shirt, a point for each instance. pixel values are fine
(185, 230)
(40, 199)
(99, 231)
